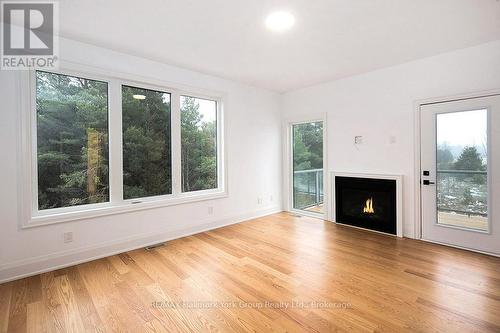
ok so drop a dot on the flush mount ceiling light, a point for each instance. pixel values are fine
(139, 96)
(280, 21)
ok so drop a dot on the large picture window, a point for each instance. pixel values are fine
(99, 145)
(72, 140)
(146, 143)
(199, 144)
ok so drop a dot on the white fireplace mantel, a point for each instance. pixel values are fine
(399, 194)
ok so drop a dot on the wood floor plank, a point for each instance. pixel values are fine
(5, 299)
(435, 278)
(90, 318)
(279, 273)
(18, 306)
(36, 318)
(53, 314)
(100, 278)
(69, 305)
(483, 325)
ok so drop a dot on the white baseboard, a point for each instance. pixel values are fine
(46, 263)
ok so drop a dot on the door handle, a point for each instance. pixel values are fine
(428, 182)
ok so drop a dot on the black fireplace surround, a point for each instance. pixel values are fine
(366, 203)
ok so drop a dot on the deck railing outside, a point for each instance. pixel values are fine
(463, 192)
(307, 188)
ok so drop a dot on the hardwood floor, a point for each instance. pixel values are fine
(273, 274)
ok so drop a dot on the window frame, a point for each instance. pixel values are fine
(31, 216)
(221, 152)
(291, 169)
(217, 114)
(34, 142)
(151, 198)
(287, 129)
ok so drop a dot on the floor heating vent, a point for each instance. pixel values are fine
(154, 246)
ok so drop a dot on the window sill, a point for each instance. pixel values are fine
(125, 207)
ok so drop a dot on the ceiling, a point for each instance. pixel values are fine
(331, 39)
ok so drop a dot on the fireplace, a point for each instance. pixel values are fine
(370, 203)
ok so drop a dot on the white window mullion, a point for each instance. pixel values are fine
(176, 143)
(32, 145)
(115, 143)
(221, 162)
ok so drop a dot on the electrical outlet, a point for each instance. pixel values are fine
(68, 237)
(210, 210)
(259, 200)
(392, 139)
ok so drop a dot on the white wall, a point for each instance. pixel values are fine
(380, 104)
(253, 143)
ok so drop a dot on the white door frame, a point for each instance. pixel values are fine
(288, 163)
(417, 148)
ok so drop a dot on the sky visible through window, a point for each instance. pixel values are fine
(460, 129)
(206, 110)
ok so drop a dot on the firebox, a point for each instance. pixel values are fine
(367, 203)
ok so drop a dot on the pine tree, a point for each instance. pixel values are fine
(71, 122)
(199, 148)
(469, 159)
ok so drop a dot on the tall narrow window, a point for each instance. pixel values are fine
(307, 139)
(146, 143)
(199, 144)
(72, 140)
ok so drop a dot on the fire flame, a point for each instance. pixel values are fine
(368, 209)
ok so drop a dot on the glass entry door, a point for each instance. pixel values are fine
(460, 174)
(307, 167)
